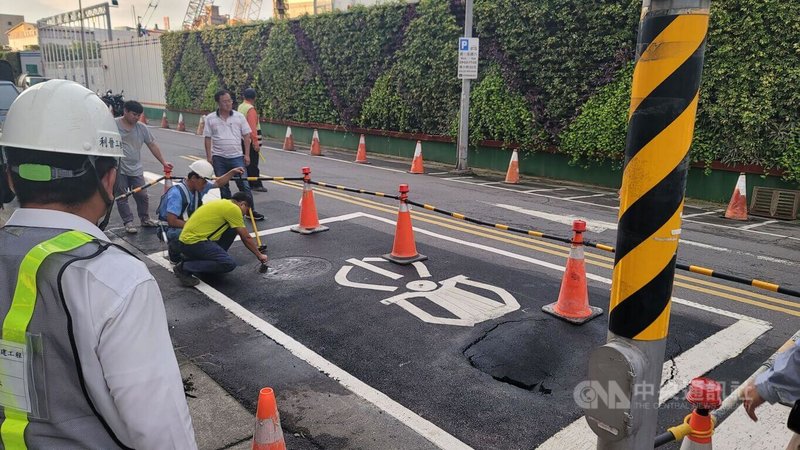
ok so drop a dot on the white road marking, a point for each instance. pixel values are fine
(696, 361)
(595, 226)
(438, 173)
(589, 196)
(716, 211)
(341, 278)
(750, 227)
(422, 269)
(458, 178)
(728, 227)
(529, 191)
(491, 182)
(423, 427)
(769, 433)
(374, 268)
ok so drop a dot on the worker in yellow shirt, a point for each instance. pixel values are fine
(209, 233)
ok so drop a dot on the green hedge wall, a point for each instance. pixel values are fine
(552, 73)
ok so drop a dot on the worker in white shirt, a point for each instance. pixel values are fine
(83, 320)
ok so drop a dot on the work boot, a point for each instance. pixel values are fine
(184, 277)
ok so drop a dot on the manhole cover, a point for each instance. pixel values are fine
(296, 267)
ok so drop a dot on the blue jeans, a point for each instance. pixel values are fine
(173, 244)
(209, 256)
(224, 165)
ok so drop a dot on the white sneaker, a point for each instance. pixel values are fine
(130, 228)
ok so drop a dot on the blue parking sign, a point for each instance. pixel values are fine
(463, 44)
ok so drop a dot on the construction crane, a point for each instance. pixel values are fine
(194, 12)
(246, 10)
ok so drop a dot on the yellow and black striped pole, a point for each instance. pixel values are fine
(666, 85)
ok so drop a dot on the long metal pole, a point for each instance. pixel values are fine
(463, 117)
(665, 92)
(83, 48)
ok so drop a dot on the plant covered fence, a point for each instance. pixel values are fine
(553, 73)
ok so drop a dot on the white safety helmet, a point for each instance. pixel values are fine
(202, 168)
(61, 116)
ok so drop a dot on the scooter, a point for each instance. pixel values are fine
(115, 101)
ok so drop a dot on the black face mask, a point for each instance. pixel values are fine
(109, 201)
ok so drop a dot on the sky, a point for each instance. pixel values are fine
(34, 10)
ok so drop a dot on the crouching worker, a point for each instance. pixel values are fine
(83, 320)
(183, 199)
(209, 233)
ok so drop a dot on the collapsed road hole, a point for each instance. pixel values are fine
(296, 267)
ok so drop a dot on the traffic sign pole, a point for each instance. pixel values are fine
(463, 121)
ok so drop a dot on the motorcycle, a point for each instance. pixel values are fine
(115, 101)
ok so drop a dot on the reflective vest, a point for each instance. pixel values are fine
(36, 318)
(244, 108)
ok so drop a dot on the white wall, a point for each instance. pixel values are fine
(134, 65)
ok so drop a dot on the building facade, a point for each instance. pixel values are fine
(7, 22)
(23, 36)
(290, 9)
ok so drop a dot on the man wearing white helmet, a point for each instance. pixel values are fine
(182, 199)
(89, 362)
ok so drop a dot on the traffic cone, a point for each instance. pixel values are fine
(737, 208)
(164, 123)
(361, 155)
(288, 141)
(181, 123)
(316, 149)
(143, 118)
(309, 221)
(416, 163)
(705, 394)
(404, 249)
(268, 434)
(201, 126)
(512, 176)
(573, 298)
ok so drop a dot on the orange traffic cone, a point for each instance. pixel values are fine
(361, 155)
(705, 394)
(143, 118)
(288, 141)
(164, 123)
(268, 434)
(573, 298)
(404, 249)
(181, 123)
(309, 221)
(737, 208)
(316, 149)
(416, 163)
(512, 176)
(201, 126)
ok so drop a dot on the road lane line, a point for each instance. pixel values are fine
(696, 361)
(589, 196)
(717, 211)
(409, 418)
(331, 159)
(595, 226)
(750, 227)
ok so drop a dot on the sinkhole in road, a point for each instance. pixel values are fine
(297, 267)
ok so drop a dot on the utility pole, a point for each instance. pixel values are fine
(463, 118)
(625, 374)
(83, 49)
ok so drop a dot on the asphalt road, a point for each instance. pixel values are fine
(459, 341)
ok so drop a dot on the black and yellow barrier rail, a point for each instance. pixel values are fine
(357, 191)
(160, 179)
(140, 188)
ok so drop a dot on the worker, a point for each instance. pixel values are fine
(223, 134)
(248, 110)
(183, 199)
(209, 233)
(83, 319)
(131, 173)
(779, 383)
